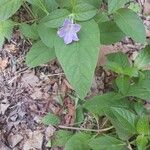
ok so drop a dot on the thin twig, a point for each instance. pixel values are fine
(84, 129)
(129, 146)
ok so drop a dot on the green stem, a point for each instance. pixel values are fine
(73, 3)
(29, 11)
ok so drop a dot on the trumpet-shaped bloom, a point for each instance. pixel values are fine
(69, 31)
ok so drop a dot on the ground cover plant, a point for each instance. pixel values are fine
(72, 31)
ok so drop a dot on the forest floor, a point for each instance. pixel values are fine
(26, 95)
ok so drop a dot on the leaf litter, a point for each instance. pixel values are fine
(27, 95)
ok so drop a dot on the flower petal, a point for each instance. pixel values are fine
(76, 27)
(67, 22)
(75, 37)
(68, 38)
(61, 32)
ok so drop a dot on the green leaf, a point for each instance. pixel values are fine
(98, 104)
(75, 58)
(29, 31)
(107, 143)
(64, 3)
(79, 141)
(84, 11)
(114, 5)
(135, 7)
(51, 5)
(123, 84)
(117, 62)
(143, 126)
(79, 115)
(101, 17)
(143, 59)
(56, 18)
(49, 144)
(39, 54)
(141, 141)
(95, 3)
(6, 29)
(141, 89)
(60, 138)
(8, 8)
(40, 4)
(128, 21)
(51, 119)
(119, 58)
(47, 35)
(110, 33)
(125, 118)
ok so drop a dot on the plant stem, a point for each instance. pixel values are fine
(84, 129)
(29, 10)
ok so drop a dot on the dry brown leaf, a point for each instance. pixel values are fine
(3, 108)
(3, 63)
(11, 48)
(147, 7)
(34, 142)
(70, 116)
(14, 139)
(29, 79)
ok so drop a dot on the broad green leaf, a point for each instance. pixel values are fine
(51, 119)
(29, 31)
(51, 5)
(125, 118)
(75, 58)
(79, 115)
(141, 89)
(56, 18)
(120, 130)
(123, 84)
(110, 33)
(98, 104)
(143, 59)
(8, 8)
(141, 141)
(95, 3)
(6, 29)
(143, 126)
(107, 143)
(117, 62)
(139, 108)
(39, 54)
(119, 58)
(84, 11)
(39, 4)
(79, 141)
(47, 35)
(60, 138)
(45, 5)
(128, 21)
(101, 17)
(114, 5)
(64, 3)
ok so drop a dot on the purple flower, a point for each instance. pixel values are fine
(69, 31)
